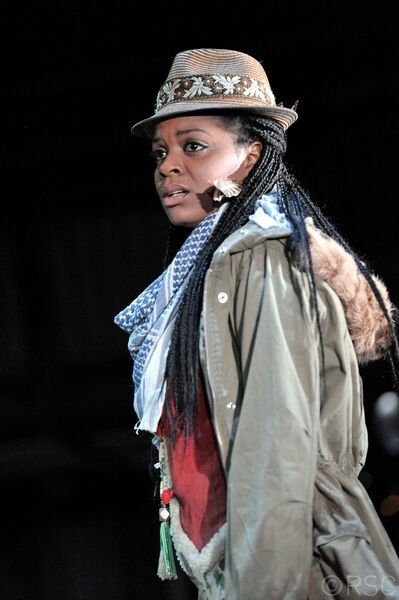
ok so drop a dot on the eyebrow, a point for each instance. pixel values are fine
(184, 132)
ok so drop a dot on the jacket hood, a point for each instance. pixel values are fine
(367, 323)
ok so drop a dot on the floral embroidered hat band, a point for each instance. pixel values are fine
(213, 79)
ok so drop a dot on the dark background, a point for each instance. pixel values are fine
(82, 233)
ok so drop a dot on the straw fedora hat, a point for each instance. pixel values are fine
(214, 79)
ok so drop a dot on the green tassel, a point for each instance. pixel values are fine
(167, 566)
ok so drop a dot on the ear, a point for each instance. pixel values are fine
(253, 153)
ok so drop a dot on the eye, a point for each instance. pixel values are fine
(158, 154)
(193, 146)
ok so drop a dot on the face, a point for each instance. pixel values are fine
(190, 153)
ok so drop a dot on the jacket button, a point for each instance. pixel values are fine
(222, 297)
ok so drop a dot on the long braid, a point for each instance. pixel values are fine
(183, 363)
(308, 208)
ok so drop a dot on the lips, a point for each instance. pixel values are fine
(175, 193)
(173, 190)
(173, 196)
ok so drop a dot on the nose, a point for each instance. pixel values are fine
(170, 164)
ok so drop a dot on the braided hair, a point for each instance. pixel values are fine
(183, 364)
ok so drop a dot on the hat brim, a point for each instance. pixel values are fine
(145, 128)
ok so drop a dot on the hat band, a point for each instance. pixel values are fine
(210, 86)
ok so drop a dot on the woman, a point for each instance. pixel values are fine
(246, 354)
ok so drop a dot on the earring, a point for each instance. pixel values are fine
(225, 188)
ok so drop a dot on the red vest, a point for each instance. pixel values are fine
(197, 476)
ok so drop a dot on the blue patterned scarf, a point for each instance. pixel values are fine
(149, 320)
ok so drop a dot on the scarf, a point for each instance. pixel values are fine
(149, 319)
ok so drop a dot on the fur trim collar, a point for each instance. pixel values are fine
(367, 324)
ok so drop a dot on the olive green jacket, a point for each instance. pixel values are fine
(299, 523)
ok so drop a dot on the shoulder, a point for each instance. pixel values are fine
(250, 236)
(367, 324)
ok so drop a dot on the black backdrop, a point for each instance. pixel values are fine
(82, 233)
